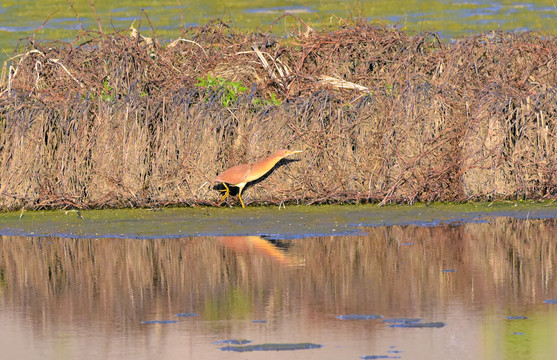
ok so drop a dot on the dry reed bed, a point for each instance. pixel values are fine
(115, 120)
(127, 279)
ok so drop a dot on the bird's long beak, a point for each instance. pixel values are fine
(291, 152)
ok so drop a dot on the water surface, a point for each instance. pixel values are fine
(176, 298)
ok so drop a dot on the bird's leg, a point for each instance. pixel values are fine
(226, 192)
(240, 197)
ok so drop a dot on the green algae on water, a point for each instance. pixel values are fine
(270, 222)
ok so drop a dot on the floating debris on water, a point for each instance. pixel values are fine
(413, 323)
(232, 341)
(403, 320)
(359, 317)
(395, 351)
(187, 314)
(159, 322)
(420, 325)
(520, 317)
(271, 347)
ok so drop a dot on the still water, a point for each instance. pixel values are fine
(57, 19)
(468, 291)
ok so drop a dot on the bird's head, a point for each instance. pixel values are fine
(282, 153)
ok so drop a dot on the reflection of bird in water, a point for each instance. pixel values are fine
(240, 175)
(259, 246)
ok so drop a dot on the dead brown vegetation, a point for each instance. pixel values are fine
(118, 120)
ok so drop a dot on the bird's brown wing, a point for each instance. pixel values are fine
(235, 175)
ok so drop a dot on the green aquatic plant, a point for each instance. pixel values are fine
(271, 101)
(391, 89)
(229, 90)
(107, 93)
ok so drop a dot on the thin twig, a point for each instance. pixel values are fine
(97, 16)
(175, 42)
(57, 62)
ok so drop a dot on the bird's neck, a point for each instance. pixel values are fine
(268, 163)
(261, 167)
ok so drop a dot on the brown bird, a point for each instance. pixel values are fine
(240, 175)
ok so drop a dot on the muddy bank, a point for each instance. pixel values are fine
(290, 223)
(127, 119)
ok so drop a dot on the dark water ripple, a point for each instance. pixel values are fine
(420, 325)
(403, 320)
(233, 342)
(187, 314)
(159, 322)
(271, 347)
(359, 317)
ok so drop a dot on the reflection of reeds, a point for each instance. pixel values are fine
(504, 263)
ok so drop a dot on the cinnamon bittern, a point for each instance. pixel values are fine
(239, 175)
